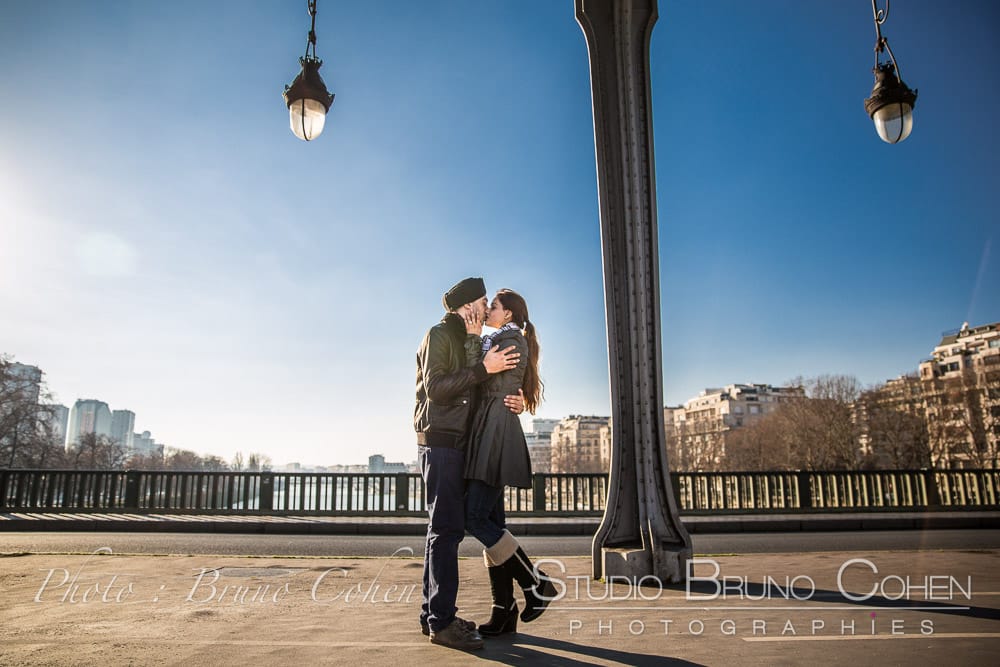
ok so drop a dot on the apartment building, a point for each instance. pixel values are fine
(961, 395)
(576, 444)
(697, 431)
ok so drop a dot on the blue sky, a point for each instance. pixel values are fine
(168, 246)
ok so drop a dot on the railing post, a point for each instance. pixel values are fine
(805, 489)
(981, 487)
(267, 492)
(402, 492)
(931, 488)
(35, 483)
(538, 493)
(3, 487)
(132, 490)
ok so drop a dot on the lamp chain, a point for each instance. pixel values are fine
(311, 43)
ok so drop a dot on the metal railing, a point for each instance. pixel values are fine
(550, 494)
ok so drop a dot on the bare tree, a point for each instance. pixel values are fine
(186, 460)
(253, 462)
(677, 453)
(965, 418)
(821, 426)
(763, 445)
(27, 429)
(815, 432)
(696, 443)
(145, 461)
(45, 450)
(898, 437)
(894, 421)
(181, 460)
(258, 462)
(94, 451)
(214, 463)
(840, 388)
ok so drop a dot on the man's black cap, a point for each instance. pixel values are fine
(467, 291)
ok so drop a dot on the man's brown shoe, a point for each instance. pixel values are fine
(426, 629)
(457, 635)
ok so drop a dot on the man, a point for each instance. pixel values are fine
(448, 370)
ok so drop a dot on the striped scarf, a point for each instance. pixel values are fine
(488, 340)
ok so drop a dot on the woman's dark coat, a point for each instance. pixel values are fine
(497, 452)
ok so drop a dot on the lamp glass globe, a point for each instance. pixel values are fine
(894, 122)
(306, 118)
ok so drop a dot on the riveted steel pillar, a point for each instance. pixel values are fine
(641, 533)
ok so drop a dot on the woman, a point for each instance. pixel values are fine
(498, 456)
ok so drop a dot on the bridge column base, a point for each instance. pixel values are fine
(667, 564)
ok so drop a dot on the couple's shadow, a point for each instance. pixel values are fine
(523, 649)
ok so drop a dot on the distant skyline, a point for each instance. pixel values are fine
(168, 245)
(527, 420)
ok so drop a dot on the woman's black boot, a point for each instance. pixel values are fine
(508, 555)
(538, 590)
(503, 617)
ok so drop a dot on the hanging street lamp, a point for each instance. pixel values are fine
(891, 103)
(307, 98)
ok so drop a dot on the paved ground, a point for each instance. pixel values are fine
(357, 524)
(919, 607)
(555, 545)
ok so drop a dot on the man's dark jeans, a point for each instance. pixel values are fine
(443, 472)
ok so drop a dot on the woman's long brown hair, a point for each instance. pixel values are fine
(532, 385)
